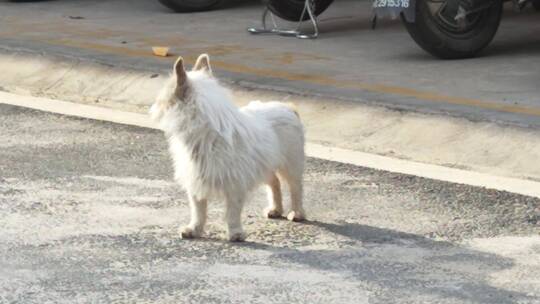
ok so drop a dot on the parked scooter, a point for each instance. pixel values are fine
(186, 6)
(453, 29)
(448, 29)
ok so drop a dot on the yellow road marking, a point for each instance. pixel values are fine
(308, 78)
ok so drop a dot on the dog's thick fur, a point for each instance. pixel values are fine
(221, 151)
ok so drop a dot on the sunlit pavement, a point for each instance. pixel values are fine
(89, 213)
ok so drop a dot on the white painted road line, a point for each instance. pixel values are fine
(520, 186)
(78, 110)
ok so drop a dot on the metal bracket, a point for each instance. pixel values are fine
(308, 8)
(462, 12)
(518, 5)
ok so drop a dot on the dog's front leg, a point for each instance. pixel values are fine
(233, 216)
(195, 227)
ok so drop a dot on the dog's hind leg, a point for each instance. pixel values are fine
(233, 216)
(294, 179)
(198, 218)
(275, 200)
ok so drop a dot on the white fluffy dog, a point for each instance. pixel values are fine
(222, 151)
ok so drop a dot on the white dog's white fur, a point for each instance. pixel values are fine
(221, 151)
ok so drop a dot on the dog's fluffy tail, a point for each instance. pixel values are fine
(293, 108)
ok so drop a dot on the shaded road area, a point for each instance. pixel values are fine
(88, 213)
(349, 60)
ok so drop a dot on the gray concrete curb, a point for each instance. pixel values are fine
(484, 147)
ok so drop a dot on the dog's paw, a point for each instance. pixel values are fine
(237, 236)
(272, 213)
(189, 233)
(296, 216)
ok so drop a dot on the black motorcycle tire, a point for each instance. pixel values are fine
(291, 10)
(187, 6)
(441, 43)
(536, 4)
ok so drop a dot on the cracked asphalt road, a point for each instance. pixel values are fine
(89, 214)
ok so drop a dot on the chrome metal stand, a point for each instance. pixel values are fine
(309, 7)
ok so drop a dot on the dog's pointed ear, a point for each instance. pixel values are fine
(203, 64)
(180, 72)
